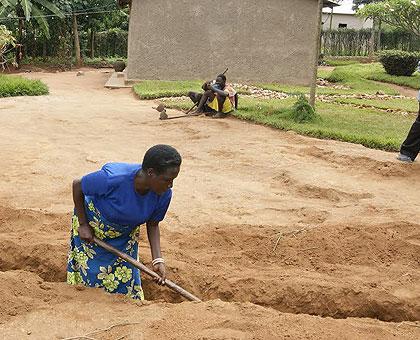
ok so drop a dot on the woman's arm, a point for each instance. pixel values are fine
(219, 92)
(153, 234)
(85, 230)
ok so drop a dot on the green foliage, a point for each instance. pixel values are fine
(302, 111)
(355, 76)
(345, 42)
(6, 37)
(412, 81)
(58, 63)
(112, 42)
(399, 63)
(401, 104)
(340, 62)
(359, 3)
(103, 62)
(31, 8)
(351, 42)
(358, 77)
(11, 86)
(399, 39)
(153, 89)
(404, 14)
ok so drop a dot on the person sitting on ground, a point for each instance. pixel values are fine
(410, 148)
(218, 99)
(111, 204)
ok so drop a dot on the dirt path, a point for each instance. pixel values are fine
(403, 90)
(272, 223)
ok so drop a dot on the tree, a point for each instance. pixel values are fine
(376, 29)
(403, 14)
(88, 14)
(6, 40)
(357, 4)
(25, 9)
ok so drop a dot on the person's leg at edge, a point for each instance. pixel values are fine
(410, 148)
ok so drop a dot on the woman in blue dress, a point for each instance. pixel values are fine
(111, 204)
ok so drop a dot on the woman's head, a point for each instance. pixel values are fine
(221, 79)
(161, 163)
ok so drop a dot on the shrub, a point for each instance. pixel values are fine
(399, 63)
(113, 42)
(103, 62)
(302, 112)
(11, 86)
(59, 63)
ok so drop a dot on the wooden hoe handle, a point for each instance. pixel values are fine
(145, 269)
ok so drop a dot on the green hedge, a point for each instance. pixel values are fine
(351, 42)
(111, 43)
(11, 86)
(399, 63)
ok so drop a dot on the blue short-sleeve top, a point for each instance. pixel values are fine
(112, 191)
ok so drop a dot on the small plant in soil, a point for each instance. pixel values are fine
(302, 111)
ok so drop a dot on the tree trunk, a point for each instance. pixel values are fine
(316, 51)
(372, 39)
(76, 42)
(378, 39)
(92, 43)
(19, 48)
(331, 18)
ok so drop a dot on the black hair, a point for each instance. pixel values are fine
(222, 76)
(160, 158)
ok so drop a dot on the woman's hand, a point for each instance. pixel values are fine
(160, 269)
(86, 233)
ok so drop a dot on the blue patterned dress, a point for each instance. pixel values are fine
(115, 211)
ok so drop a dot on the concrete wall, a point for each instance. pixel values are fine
(351, 20)
(264, 40)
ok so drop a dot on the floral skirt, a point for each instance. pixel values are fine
(93, 266)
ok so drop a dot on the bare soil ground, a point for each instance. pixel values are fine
(405, 91)
(283, 236)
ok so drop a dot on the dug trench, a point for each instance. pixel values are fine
(327, 270)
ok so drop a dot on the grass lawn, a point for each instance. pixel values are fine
(359, 77)
(152, 89)
(338, 62)
(342, 61)
(356, 88)
(324, 73)
(369, 127)
(374, 71)
(341, 75)
(11, 86)
(407, 105)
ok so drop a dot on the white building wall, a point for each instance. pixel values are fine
(351, 20)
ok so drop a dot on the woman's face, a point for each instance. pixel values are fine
(219, 80)
(164, 181)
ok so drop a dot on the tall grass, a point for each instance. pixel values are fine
(11, 86)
